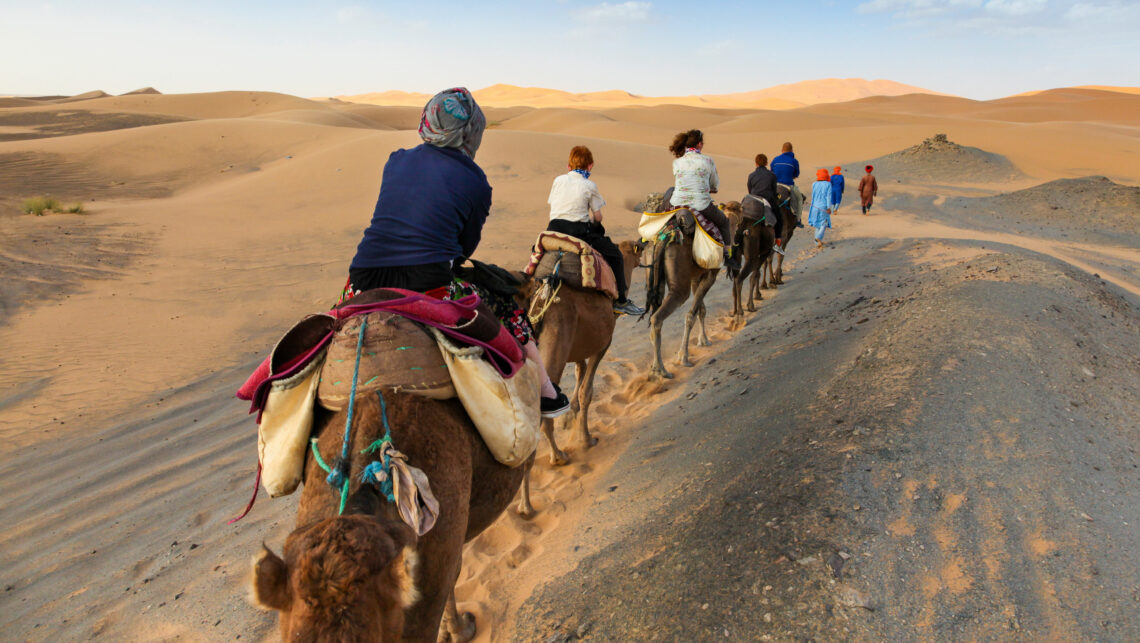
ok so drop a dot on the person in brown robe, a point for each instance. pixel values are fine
(868, 188)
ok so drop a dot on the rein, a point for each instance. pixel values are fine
(378, 471)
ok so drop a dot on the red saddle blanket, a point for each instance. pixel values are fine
(467, 320)
(576, 262)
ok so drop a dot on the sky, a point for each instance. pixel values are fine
(980, 49)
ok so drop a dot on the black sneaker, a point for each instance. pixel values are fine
(552, 407)
(627, 307)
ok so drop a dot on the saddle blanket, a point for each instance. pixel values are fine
(466, 320)
(653, 223)
(572, 260)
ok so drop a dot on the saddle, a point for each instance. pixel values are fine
(467, 321)
(573, 261)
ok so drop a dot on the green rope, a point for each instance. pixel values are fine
(317, 455)
(327, 469)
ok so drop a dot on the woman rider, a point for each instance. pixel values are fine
(695, 179)
(429, 217)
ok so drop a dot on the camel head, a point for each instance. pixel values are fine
(631, 252)
(735, 213)
(347, 578)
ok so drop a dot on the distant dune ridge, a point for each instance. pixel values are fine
(789, 96)
(939, 159)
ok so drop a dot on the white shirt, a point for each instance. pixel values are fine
(694, 177)
(572, 197)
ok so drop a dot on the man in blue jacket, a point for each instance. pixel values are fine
(787, 169)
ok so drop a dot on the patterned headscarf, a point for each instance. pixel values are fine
(453, 119)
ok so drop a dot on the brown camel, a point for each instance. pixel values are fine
(753, 243)
(770, 278)
(576, 328)
(673, 277)
(365, 575)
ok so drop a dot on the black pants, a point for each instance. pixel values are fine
(418, 278)
(595, 235)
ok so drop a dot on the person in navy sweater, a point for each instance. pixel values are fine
(787, 170)
(429, 218)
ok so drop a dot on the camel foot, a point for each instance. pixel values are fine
(704, 341)
(683, 362)
(525, 510)
(464, 630)
(590, 441)
(660, 372)
(559, 458)
(751, 308)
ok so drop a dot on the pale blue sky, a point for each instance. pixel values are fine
(975, 48)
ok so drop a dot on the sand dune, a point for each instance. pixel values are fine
(216, 220)
(788, 96)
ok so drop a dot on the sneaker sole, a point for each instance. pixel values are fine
(550, 415)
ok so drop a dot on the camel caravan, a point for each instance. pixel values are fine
(410, 412)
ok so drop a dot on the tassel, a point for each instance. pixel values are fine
(339, 473)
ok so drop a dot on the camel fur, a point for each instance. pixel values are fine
(365, 575)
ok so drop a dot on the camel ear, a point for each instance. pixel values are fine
(404, 570)
(270, 580)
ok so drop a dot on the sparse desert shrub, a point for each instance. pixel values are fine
(75, 208)
(40, 204)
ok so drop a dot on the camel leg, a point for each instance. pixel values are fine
(558, 457)
(586, 371)
(702, 289)
(525, 508)
(456, 627)
(673, 299)
(778, 276)
(696, 315)
(754, 291)
(737, 284)
(765, 273)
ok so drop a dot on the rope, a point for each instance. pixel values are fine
(381, 471)
(550, 301)
(338, 475)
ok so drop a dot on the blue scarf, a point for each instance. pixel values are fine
(585, 173)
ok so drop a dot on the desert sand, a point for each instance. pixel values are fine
(928, 432)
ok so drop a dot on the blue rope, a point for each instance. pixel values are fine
(380, 472)
(338, 476)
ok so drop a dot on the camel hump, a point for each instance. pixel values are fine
(396, 354)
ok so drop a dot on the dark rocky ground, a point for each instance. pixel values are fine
(1091, 209)
(940, 160)
(886, 452)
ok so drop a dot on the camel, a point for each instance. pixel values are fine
(673, 277)
(770, 278)
(365, 575)
(753, 243)
(576, 328)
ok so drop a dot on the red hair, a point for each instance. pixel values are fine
(580, 158)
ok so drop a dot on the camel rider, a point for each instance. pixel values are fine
(787, 170)
(695, 180)
(762, 185)
(429, 217)
(576, 210)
